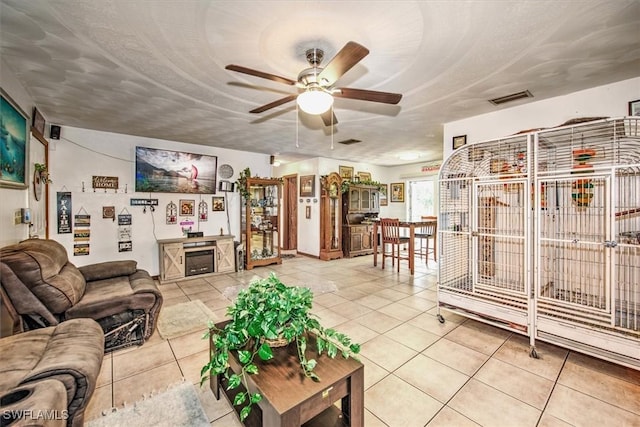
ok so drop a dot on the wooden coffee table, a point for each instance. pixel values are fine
(289, 399)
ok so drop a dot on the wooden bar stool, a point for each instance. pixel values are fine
(391, 236)
(424, 235)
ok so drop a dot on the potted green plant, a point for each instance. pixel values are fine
(269, 313)
(42, 172)
(241, 183)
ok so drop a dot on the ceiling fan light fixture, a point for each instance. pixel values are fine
(315, 101)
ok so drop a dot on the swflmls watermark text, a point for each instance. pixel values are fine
(32, 414)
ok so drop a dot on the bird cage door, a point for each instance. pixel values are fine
(500, 249)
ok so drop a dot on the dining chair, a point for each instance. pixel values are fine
(424, 235)
(391, 236)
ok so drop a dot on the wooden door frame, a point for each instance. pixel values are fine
(290, 212)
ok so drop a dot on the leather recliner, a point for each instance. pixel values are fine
(44, 288)
(48, 375)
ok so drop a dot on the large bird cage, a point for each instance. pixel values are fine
(540, 235)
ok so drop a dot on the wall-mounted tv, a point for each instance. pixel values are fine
(165, 171)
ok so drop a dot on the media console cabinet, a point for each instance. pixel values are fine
(189, 257)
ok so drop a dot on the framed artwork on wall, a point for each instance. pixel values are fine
(187, 207)
(397, 192)
(634, 108)
(346, 172)
(307, 186)
(217, 203)
(364, 176)
(459, 141)
(384, 190)
(14, 148)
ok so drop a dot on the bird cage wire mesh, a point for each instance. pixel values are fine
(540, 234)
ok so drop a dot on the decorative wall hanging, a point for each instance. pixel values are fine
(125, 241)
(384, 190)
(346, 172)
(187, 207)
(172, 213)
(81, 233)
(397, 192)
(15, 150)
(459, 141)
(217, 203)
(307, 186)
(203, 211)
(63, 211)
(364, 176)
(106, 182)
(37, 123)
(109, 212)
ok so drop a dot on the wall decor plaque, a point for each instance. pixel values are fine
(107, 182)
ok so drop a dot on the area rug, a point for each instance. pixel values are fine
(181, 319)
(231, 292)
(177, 406)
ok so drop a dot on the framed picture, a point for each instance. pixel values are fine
(634, 108)
(37, 122)
(187, 207)
(384, 190)
(307, 186)
(364, 176)
(459, 141)
(397, 192)
(217, 204)
(14, 146)
(346, 172)
(109, 212)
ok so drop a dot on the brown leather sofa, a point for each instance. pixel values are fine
(48, 375)
(43, 288)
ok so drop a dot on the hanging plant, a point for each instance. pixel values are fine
(241, 183)
(43, 173)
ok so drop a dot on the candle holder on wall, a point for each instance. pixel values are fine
(172, 213)
(203, 213)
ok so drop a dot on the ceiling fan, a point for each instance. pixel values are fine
(317, 83)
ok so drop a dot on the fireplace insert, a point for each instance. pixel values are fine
(199, 262)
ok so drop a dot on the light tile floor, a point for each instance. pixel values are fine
(418, 372)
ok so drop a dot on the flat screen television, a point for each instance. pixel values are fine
(166, 171)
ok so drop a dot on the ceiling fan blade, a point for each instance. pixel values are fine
(344, 60)
(329, 118)
(252, 72)
(368, 95)
(274, 104)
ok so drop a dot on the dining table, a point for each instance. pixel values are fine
(411, 225)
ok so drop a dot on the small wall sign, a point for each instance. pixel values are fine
(110, 182)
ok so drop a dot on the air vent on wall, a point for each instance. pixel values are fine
(350, 141)
(512, 97)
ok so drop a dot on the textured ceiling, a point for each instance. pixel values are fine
(156, 68)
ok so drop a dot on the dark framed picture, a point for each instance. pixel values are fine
(384, 190)
(37, 122)
(109, 212)
(15, 144)
(187, 207)
(217, 203)
(307, 186)
(634, 108)
(346, 172)
(459, 141)
(397, 192)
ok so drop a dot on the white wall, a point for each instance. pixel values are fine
(603, 101)
(82, 153)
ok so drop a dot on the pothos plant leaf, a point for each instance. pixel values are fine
(267, 310)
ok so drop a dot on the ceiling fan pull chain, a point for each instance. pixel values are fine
(332, 129)
(297, 120)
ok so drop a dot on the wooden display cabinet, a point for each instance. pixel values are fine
(260, 222)
(330, 217)
(360, 205)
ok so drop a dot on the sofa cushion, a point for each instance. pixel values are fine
(109, 269)
(44, 267)
(70, 352)
(107, 297)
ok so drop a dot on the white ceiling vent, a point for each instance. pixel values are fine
(511, 97)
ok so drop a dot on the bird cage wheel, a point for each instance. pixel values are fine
(533, 353)
(440, 318)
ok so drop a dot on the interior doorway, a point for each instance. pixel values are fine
(422, 198)
(290, 213)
